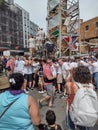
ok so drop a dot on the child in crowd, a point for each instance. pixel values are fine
(51, 122)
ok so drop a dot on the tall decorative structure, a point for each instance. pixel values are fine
(63, 24)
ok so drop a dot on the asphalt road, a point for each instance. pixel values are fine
(59, 108)
(59, 105)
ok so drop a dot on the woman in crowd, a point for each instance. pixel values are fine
(18, 111)
(81, 75)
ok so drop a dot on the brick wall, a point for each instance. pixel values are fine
(89, 29)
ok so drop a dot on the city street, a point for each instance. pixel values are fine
(49, 39)
(59, 105)
(59, 108)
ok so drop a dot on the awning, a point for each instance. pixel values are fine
(17, 51)
(4, 48)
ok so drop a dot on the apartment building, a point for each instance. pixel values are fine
(89, 33)
(33, 28)
(20, 28)
(25, 25)
(15, 26)
(89, 30)
(28, 27)
(8, 25)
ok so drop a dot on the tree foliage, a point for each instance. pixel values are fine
(1, 2)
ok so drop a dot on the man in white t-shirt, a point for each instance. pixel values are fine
(31, 44)
(65, 67)
(40, 37)
(95, 69)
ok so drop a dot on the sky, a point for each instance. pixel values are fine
(38, 10)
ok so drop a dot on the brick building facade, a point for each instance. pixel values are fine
(89, 30)
(89, 34)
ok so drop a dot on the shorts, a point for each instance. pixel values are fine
(59, 78)
(55, 82)
(31, 50)
(28, 77)
(49, 89)
(70, 125)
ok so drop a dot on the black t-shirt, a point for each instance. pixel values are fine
(47, 127)
(56, 127)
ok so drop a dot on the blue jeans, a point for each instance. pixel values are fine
(83, 128)
(70, 125)
(96, 79)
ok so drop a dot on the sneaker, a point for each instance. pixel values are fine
(32, 88)
(29, 88)
(40, 91)
(44, 91)
(26, 91)
(64, 96)
(59, 92)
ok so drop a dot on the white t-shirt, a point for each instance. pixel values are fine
(73, 65)
(36, 66)
(90, 67)
(59, 69)
(21, 64)
(16, 66)
(65, 67)
(95, 67)
(53, 69)
(31, 42)
(40, 35)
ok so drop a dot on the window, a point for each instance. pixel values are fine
(86, 27)
(96, 24)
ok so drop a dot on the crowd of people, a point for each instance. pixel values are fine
(50, 76)
(40, 44)
(35, 43)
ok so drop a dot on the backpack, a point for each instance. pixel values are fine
(49, 47)
(84, 109)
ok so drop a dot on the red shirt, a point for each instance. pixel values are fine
(71, 95)
(47, 72)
